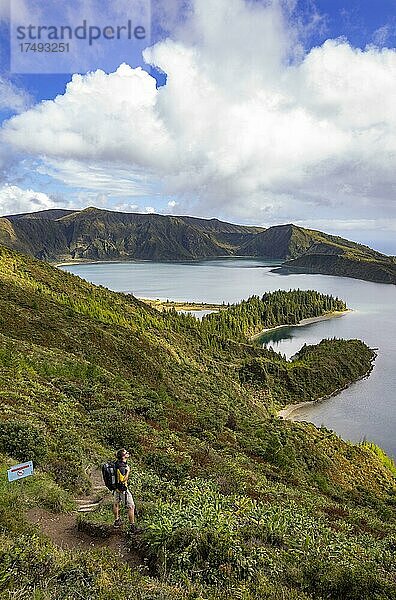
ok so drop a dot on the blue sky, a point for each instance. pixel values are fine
(224, 189)
(358, 20)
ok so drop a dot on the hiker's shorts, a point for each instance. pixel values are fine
(124, 498)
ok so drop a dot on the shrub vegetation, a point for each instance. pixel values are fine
(233, 501)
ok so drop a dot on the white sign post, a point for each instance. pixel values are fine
(20, 471)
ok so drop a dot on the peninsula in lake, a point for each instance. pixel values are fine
(94, 234)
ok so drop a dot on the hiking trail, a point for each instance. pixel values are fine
(63, 531)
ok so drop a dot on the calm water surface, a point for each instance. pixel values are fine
(368, 407)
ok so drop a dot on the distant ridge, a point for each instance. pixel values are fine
(96, 234)
(51, 214)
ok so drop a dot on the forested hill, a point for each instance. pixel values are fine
(94, 234)
(233, 501)
(249, 317)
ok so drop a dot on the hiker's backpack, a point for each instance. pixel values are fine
(109, 475)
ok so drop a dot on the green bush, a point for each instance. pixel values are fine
(32, 568)
(350, 579)
(25, 562)
(23, 441)
(383, 457)
(169, 465)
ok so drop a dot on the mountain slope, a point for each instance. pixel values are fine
(310, 251)
(344, 265)
(93, 234)
(50, 214)
(281, 241)
(229, 494)
(290, 241)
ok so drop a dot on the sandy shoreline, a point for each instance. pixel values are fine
(182, 305)
(291, 408)
(303, 322)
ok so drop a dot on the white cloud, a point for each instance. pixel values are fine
(242, 129)
(127, 207)
(12, 97)
(105, 117)
(108, 178)
(5, 163)
(345, 225)
(14, 200)
(381, 35)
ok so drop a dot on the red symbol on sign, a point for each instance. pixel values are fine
(20, 470)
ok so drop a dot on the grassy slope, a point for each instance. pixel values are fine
(99, 234)
(291, 241)
(311, 251)
(333, 255)
(94, 234)
(339, 244)
(84, 369)
(348, 265)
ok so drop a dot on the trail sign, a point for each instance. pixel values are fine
(20, 471)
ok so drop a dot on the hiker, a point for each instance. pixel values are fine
(121, 494)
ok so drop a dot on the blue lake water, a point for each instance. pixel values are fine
(367, 409)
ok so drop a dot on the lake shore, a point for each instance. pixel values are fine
(303, 322)
(82, 261)
(121, 260)
(372, 320)
(163, 305)
(287, 412)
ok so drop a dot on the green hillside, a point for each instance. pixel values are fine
(249, 317)
(94, 234)
(290, 241)
(311, 251)
(353, 265)
(233, 501)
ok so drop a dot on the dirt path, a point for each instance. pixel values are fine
(62, 528)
